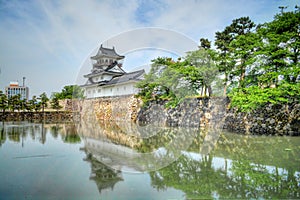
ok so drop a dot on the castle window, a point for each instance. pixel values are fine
(99, 90)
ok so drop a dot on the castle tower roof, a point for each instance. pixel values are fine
(107, 52)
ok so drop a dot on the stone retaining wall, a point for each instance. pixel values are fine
(271, 119)
(55, 116)
(214, 113)
(195, 112)
(192, 112)
(123, 108)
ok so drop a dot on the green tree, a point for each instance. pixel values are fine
(23, 104)
(225, 63)
(235, 44)
(33, 104)
(203, 68)
(43, 101)
(55, 103)
(272, 77)
(205, 43)
(28, 106)
(38, 106)
(3, 101)
(242, 46)
(280, 48)
(14, 102)
(164, 81)
(70, 92)
(175, 80)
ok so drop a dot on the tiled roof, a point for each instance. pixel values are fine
(136, 75)
(108, 70)
(107, 52)
(126, 77)
(102, 72)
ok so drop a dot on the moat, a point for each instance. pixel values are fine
(72, 161)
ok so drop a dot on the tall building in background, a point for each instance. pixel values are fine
(14, 89)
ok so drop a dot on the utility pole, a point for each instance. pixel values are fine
(282, 8)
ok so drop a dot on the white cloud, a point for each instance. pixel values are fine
(47, 41)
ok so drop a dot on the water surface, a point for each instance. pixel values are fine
(68, 161)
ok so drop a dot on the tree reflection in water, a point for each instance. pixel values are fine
(237, 174)
(19, 131)
(236, 166)
(222, 166)
(2, 134)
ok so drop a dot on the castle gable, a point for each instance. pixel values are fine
(107, 78)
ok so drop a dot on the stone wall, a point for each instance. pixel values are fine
(66, 113)
(54, 116)
(269, 120)
(192, 112)
(124, 108)
(214, 113)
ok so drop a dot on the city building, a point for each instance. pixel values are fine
(107, 77)
(14, 89)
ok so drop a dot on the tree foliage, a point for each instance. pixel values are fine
(3, 101)
(175, 80)
(264, 62)
(55, 103)
(163, 81)
(43, 101)
(258, 64)
(69, 92)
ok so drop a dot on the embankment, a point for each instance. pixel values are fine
(192, 112)
(215, 113)
(50, 116)
(195, 112)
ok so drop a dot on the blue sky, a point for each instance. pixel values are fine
(49, 42)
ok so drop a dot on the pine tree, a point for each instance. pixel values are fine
(43, 101)
(55, 104)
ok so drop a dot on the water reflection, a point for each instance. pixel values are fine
(205, 163)
(39, 162)
(209, 177)
(19, 131)
(136, 148)
(104, 177)
(214, 166)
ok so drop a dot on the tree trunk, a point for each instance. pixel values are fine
(242, 77)
(225, 85)
(203, 91)
(209, 91)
